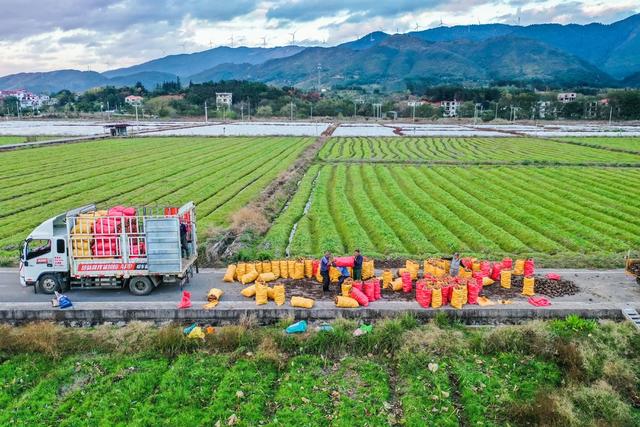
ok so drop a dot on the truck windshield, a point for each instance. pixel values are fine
(37, 247)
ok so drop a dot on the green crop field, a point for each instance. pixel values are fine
(393, 210)
(219, 174)
(468, 150)
(624, 143)
(563, 372)
(4, 140)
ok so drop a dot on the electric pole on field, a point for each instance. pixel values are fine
(242, 111)
(311, 112)
(206, 113)
(610, 114)
(249, 109)
(137, 123)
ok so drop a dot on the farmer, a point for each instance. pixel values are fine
(455, 265)
(325, 263)
(357, 265)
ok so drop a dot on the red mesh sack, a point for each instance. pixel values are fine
(473, 290)
(315, 265)
(485, 267)
(345, 261)
(497, 269)
(423, 294)
(377, 288)
(369, 291)
(446, 294)
(507, 263)
(407, 284)
(357, 285)
(104, 226)
(529, 267)
(466, 263)
(359, 296)
(479, 281)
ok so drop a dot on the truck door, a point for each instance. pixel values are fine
(59, 254)
(163, 245)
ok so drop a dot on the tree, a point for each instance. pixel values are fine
(264, 111)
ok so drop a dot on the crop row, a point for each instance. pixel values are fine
(199, 389)
(219, 174)
(517, 150)
(623, 143)
(411, 210)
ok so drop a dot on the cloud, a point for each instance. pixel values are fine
(573, 12)
(310, 10)
(30, 17)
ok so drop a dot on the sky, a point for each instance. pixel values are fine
(97, 35)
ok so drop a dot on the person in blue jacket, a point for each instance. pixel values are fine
(325, 263)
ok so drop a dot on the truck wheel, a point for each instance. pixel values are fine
(140, 285)
(48, 284)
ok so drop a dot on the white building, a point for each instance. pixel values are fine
(544, 109)
(224, 99)
(565, 97)
(450, 108)
(134, 100)
(27, 99)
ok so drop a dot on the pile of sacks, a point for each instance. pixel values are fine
(268, 271)
(356, 294)
(97, 233)
(276, 293)
(301, 268)
(437, 288)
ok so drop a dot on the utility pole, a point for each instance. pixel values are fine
(311, 114)
(249, 108)
(610, 114)
(206, 113)
(413, 112)
(242, 111)
(137, 123)
(18, 109)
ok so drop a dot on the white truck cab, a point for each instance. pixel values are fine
(88, 248)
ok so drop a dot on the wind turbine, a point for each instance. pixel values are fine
(264, 42)
(293, 37)
(231, 39)
(210, 44)
(417, 27)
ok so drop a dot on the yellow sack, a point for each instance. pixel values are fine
(230, 273)
(465, 294)
(258, 267)
(387, 278)
(241, 270)
(484, 301)
(291, 268)
(346, 302)
(249, 291)
(465, 274)
(368, 269)
(298, 270)
(267, 277)
(439, 272)
(81, 248)
(249, 277)
(396, 285)
(334, 274)
(275, 268)
(196, 333)
(302, 302)
(528, 286)
(214, 294)
(413, 268)
(505, 279)
(457, 297)
(262, 294)
(475, 266)
(346, 287)
(486, 281)
(436, 298)
(426, 267)
(403, 270)
(266, 266)
(284, 270)
(250, 267)
(518, 268)
(319, 276)
(308, 268)
(270, 293)
(279, 294)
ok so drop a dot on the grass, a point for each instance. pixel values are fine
(565, 372)
(622, 143)
(220, 175)
(5, 140)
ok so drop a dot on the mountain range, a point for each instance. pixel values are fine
(562, 55)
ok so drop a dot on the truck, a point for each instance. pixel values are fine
(632, 267)
(87, 248)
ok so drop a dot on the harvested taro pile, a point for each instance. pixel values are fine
(548, 287)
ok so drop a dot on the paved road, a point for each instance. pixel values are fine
(598, 286)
